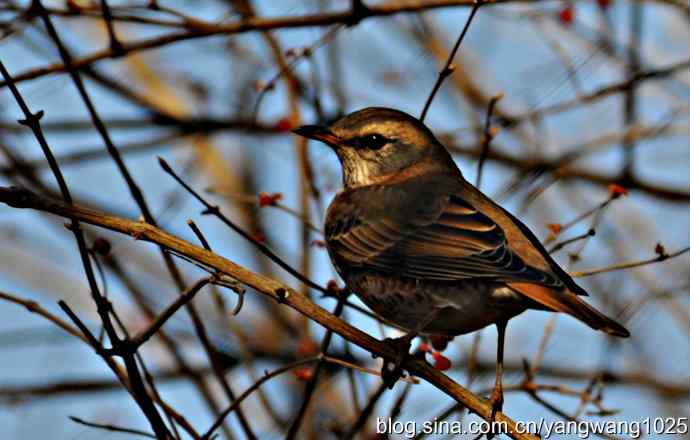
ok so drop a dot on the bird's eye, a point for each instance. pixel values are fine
(373, 141)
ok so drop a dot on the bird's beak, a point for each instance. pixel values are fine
(319, 133)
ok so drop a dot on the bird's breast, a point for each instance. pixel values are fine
(461, 307)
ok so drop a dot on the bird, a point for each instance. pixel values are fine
(428, 251)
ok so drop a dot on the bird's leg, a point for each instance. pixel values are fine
(497, 394)
(391, 371)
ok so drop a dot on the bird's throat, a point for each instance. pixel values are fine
(358, 173)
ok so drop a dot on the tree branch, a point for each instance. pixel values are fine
(21, 198)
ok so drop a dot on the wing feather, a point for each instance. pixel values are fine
(455, 242)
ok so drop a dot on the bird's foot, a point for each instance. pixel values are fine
(392, 370)
(496, 400)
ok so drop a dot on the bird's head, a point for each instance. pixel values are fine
(377, 142)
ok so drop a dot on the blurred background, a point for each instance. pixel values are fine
(591, 132)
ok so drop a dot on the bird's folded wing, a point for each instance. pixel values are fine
(455, 242)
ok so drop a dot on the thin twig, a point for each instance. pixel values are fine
(253, 387)
(115, 44)
(448, 68)
(253, 200)
(311, 384)
(620, 266)
(34, 307)
(103, 305)
(366, 412)
(560, 245)
(180, 301)
(242, 26)
(487, 136)
(110, 427)
(215, 211)
(333, 360)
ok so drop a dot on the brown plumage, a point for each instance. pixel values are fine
(413, 239)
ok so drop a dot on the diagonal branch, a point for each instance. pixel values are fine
(21, 198)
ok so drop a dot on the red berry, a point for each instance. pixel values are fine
(73, 6)
(283, 124)
(617, 190)
(441, 362)
(258, 236)
(259, 86)
(332, 286)
(566, 15)
(425, 347)
(555, 228)
(660, 249)
(603, 4)
(307, 347)
(101, 246)
(266, 199)
(304, 373)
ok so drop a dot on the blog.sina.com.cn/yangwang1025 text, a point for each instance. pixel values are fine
(545, 428)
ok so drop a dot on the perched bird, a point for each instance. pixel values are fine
(424, 248)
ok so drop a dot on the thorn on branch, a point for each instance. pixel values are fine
(137, 235)
(211, 210)
(281, 295)
(527, 368)
(32, 119)
(31, 306)
(266, 199)
(103, 305)
(447, 70)
(359, 12)
(199, 234)
(164, 164)
(263, 86)
(240, 302)
(660, 250)
(35, 9)
(233, 285)
(117, 49)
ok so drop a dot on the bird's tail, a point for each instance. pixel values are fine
(568, 302)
